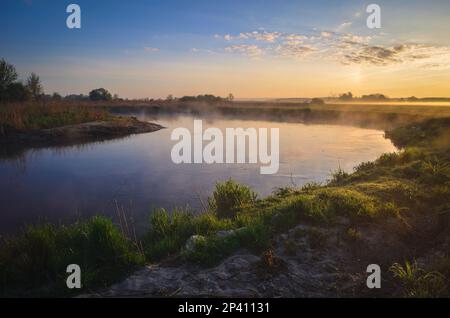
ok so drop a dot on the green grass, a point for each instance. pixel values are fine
(414, 181)
(35, 262)
(229, 198)
(420, 283)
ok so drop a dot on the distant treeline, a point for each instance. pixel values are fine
(381, 97)
(13, 90)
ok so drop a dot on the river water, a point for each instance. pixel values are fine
(137, 174)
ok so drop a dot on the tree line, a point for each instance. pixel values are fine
(14, 90)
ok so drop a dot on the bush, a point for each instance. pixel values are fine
(339, 176)
(40, 255)
(212, 250)
(229, 198)
(419, 283)
(169, 231)
(347, 202)
(317, 101)
(100, 94)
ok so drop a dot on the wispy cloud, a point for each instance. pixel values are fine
(344, 26)
(344, 47)
(151, 49)
(260, 35)
(250, 50)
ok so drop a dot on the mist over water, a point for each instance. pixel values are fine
(137, 173)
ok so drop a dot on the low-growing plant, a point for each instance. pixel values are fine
(417, 282)
(354, 235)
(39, 256)
(229, 198)
(339, 176)
(169, 231)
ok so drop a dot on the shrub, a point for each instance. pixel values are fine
(229, 198)
(169, 231)
(348, 202)
(417, 282)
(339, 176)
(39, 256)
(212, 250)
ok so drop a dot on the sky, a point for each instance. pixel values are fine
(252, 49)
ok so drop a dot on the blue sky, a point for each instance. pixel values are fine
(155, 48)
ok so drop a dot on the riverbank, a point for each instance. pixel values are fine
(362, 115)
(311, 241)
(36, 125)
(112, 127)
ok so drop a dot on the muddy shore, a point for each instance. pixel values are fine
(80, 133)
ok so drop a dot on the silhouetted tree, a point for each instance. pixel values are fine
(374, 97)
(346, 96)
(8, 75)
(230, 97)
(99, 94)
(317, 101)
(34, 86)
(17, 92)
(56, 96)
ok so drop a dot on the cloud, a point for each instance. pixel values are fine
(414, 54)
(259, 35)
(151, 49)
(344, 47)
(197, 50)
(326, 34)
(294, 50)
(343, 26)
(249, 50)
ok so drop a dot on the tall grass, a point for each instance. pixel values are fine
(229, 198)
(419, 283)
(19, 117)
(36, 260)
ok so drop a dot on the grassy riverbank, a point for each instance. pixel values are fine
(32, 116)
(35, 125)
(399, 204)
(364, 115)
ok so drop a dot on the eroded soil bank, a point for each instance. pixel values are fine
(16, 144)
(91, 131)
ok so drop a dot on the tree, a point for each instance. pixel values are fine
(346, 96)
(17, 92)
(56, 96)
(169, 98)
(317, 101)
(34, 86)
(8, 76)
(230, 97)
(100, 94)
(374, 97)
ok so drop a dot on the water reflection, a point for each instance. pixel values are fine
(63, 183)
